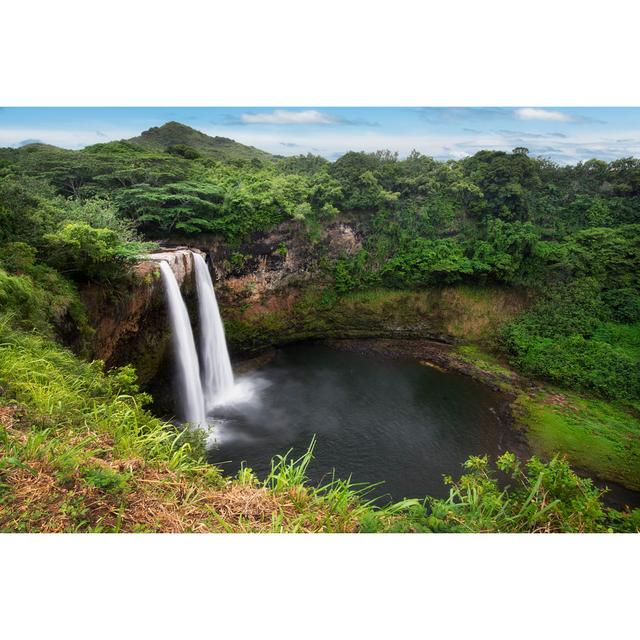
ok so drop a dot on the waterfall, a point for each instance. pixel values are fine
(185, 350)
(217, 375)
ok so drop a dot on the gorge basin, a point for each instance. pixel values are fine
(376, 419)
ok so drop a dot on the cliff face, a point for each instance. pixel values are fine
(265, 275)
(276, 261)
(275, 289)
(131, 326)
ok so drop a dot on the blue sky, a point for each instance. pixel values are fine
(565, 135)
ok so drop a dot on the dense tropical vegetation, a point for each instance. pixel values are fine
(567, 235)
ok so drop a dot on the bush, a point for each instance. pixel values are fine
(540, 498)
(624, 304)
(100, 213)
(42, 300)
(86, 252)
(25, 213)
(575, 308)
(352, 273)
(575, 362)
(511, 496)
(17, 257)
(183, 151)
(106, 479)
(427, 262)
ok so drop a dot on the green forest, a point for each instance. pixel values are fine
(80, 449)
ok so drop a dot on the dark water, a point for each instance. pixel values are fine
(377, 419)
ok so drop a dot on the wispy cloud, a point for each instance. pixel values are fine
(520, 134)
(509, 133)
(292, 117)
(450, 115)
(456, 115)
(333, 143)
(66, 138)
(530, 113)
(283, 116)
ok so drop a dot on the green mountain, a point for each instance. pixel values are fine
(175, 136)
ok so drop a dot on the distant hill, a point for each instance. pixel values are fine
(176, 135)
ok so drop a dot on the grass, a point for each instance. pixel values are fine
(72, 437)
(487, 362)
(599, 436)
(79, 453)
(473, 313)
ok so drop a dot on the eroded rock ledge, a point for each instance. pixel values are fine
(130, 325)
(276, 289)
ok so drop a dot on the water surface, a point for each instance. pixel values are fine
(376, 419)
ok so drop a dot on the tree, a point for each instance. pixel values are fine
(184, 206)
(89, 253)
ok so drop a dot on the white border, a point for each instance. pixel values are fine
(291, 53)
(314, 586)
(335, 52)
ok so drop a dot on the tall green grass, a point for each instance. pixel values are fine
(63, 393)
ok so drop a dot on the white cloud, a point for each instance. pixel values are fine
(65, 138)
(529, 113)
(332, 144)
(281, 116)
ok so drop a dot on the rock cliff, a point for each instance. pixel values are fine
(276, 288)
(130, 325)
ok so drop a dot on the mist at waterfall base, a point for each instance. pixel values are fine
(375, 419)
(200, 389)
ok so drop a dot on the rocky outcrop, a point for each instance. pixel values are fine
(276, 261)
(179, 259)
(130, 325)
(275, 289)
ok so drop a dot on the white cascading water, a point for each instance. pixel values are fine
(191, 397)
(217, 375)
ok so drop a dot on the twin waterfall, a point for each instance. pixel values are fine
(199, 389)
(217, 376)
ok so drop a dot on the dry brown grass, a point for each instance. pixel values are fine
(38, 497)
(9, 415)
(40, 501)
(473, 316)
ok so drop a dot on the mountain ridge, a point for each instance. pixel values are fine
(174, 134)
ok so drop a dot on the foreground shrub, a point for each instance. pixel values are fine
(532, 497)
(40, 298)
